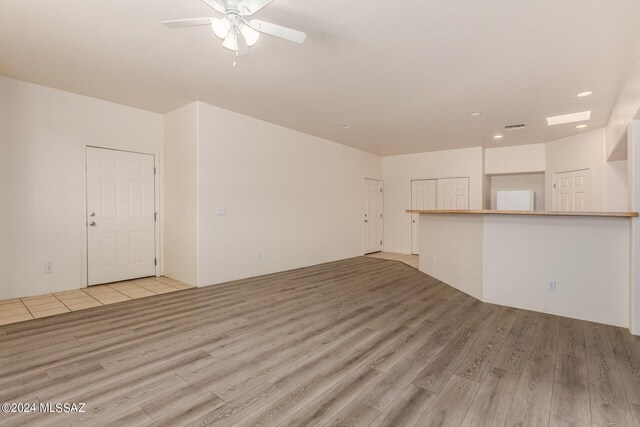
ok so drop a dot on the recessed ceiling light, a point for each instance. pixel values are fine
(569, 118)
(345, 126)
(581, 126)
(475, 113)
(497, 136)
(583, 94)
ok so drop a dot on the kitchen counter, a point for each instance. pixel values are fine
(531, 213)
(573, 264)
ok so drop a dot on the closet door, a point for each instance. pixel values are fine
(424, 196)
(453, 194)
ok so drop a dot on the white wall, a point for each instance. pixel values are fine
(8, 217)
(291, 199)
(400, 170)
(586, 150)
(616, 187)
(625, 109)
(180, 194)
(533, 181)
(519, 159)
(42, 183)
(587, 257)
(453, 252)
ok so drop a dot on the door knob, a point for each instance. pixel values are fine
(366, 220)
(93, 224)
(92, 214)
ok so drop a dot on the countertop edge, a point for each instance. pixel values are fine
(529, 213)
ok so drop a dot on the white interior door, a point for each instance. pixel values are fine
(121, 215)
(372, 216)
(424, 196)
(453, 194)
(572, 191)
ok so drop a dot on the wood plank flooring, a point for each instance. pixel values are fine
(411, 260)
(358, 342)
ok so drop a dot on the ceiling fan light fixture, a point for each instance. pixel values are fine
(231, 41)
(221, 27)
(250, 35)
(236, 32)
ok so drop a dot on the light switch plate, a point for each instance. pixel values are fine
(221, 212)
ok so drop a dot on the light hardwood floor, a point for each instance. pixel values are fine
(21, 309)
(362, 341)
(411, 260)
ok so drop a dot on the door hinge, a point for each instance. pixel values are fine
(380, 215)
(381, 190)
(154, 170)
(380, 242)
(554, 186)
(155, 216)
(155, 261)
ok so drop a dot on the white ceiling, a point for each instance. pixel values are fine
(403, 75)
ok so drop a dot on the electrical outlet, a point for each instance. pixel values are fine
(48, 268)
(552, 286)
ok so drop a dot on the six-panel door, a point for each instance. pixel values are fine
(372, 216)
(120, 215)
(453, 194)
(572, 191)
(424, 196)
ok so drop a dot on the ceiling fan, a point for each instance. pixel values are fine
(237, 32)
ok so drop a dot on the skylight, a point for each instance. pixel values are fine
(569, 118)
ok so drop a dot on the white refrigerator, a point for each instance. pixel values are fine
(516, 200)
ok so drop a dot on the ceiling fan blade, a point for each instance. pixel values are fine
(278, 31)
(243, 48)
(249, 7)
(218, 5)
(193, 22)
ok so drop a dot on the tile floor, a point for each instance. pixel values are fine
(21, 309)
(410, 260)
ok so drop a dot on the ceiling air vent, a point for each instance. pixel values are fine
(515, 127)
